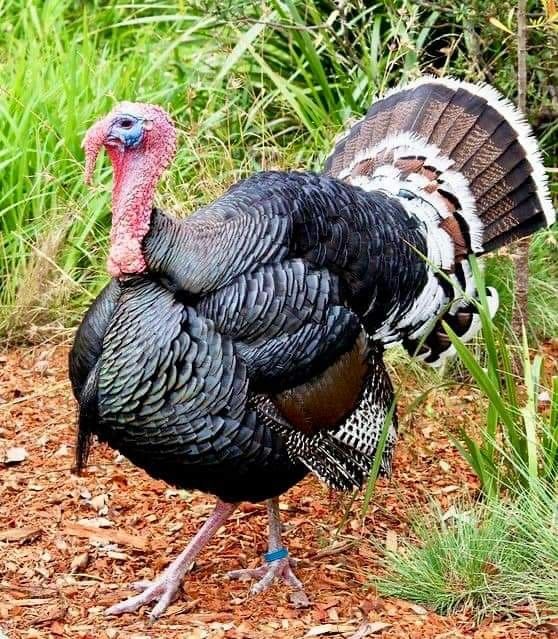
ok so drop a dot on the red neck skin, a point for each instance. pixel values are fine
(135, 178)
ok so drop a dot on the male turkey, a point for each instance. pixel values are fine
(238, 348)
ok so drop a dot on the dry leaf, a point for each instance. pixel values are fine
(41, 367)
(62, 451)
(370, 629)
(100, 503)
(419, 610)
(110, 535)
(24, 603)
(449, 489)
(18, 534)
(391, 541)
(79, 562)
(97, 522)
(15, 455)
(56, 628)
(329, 629)
(299, 599)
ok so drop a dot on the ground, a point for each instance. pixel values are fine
(69, 545)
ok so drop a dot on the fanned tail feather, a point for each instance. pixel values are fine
(463, 161)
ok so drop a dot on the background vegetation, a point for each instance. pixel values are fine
(500, 552)
(253, 85)
(259, 85)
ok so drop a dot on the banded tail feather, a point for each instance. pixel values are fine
(463, 161)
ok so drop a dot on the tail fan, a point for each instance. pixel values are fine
(461, 159)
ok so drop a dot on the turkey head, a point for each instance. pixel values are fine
(140, 140)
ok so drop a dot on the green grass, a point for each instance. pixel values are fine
(486, 559)
(495, 555)
(518, 445)
(252, 85)
(543, 285)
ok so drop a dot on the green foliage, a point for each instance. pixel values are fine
(487, 558)
(490, 557)
(254, 85)
(543, 284)
(519, 444)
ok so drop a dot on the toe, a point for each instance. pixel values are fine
(129, 605)
(163, 603)
(293, 581)
(264, 583)
(159, 591)
(140, 586)
(245, 574)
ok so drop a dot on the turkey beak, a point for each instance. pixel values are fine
(92, 142)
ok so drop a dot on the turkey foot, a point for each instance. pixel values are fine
(279, 565)
(266, 575)
(164, 589)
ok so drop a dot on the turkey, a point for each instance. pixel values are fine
(240, 348)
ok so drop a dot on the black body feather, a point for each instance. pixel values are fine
(252, 350)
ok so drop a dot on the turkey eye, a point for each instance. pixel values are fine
(126, 123)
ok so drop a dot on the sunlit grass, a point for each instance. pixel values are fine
(492, 556)
(252, 86)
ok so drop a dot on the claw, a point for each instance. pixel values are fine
(268, 573)
(163, 590)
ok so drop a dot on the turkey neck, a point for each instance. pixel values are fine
(178, 252)
(132, 202)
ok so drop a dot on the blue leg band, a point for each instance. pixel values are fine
(275, 555)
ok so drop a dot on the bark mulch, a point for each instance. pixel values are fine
(69, 545)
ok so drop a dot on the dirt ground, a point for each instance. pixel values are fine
(69, 545)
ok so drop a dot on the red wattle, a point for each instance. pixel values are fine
(136, 173)
(132, 202)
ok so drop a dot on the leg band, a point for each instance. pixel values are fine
(275, 555)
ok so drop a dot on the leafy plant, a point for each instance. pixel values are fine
(254, 85)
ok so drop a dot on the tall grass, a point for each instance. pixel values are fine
(519, 444)
(494, 555)
(253, 85)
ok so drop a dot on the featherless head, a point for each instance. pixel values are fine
(140, 140)
(131, 128)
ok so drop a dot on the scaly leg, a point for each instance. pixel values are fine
(278, 564)
(164, 589)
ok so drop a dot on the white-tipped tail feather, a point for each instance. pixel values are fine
(463, 161)
(516, 119)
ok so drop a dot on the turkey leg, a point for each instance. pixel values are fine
(274, 568)
(164, 589)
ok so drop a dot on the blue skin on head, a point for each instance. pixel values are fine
(128, 130)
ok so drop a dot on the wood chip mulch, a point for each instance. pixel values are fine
(69, 545)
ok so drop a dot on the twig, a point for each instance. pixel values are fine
(39, 393)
